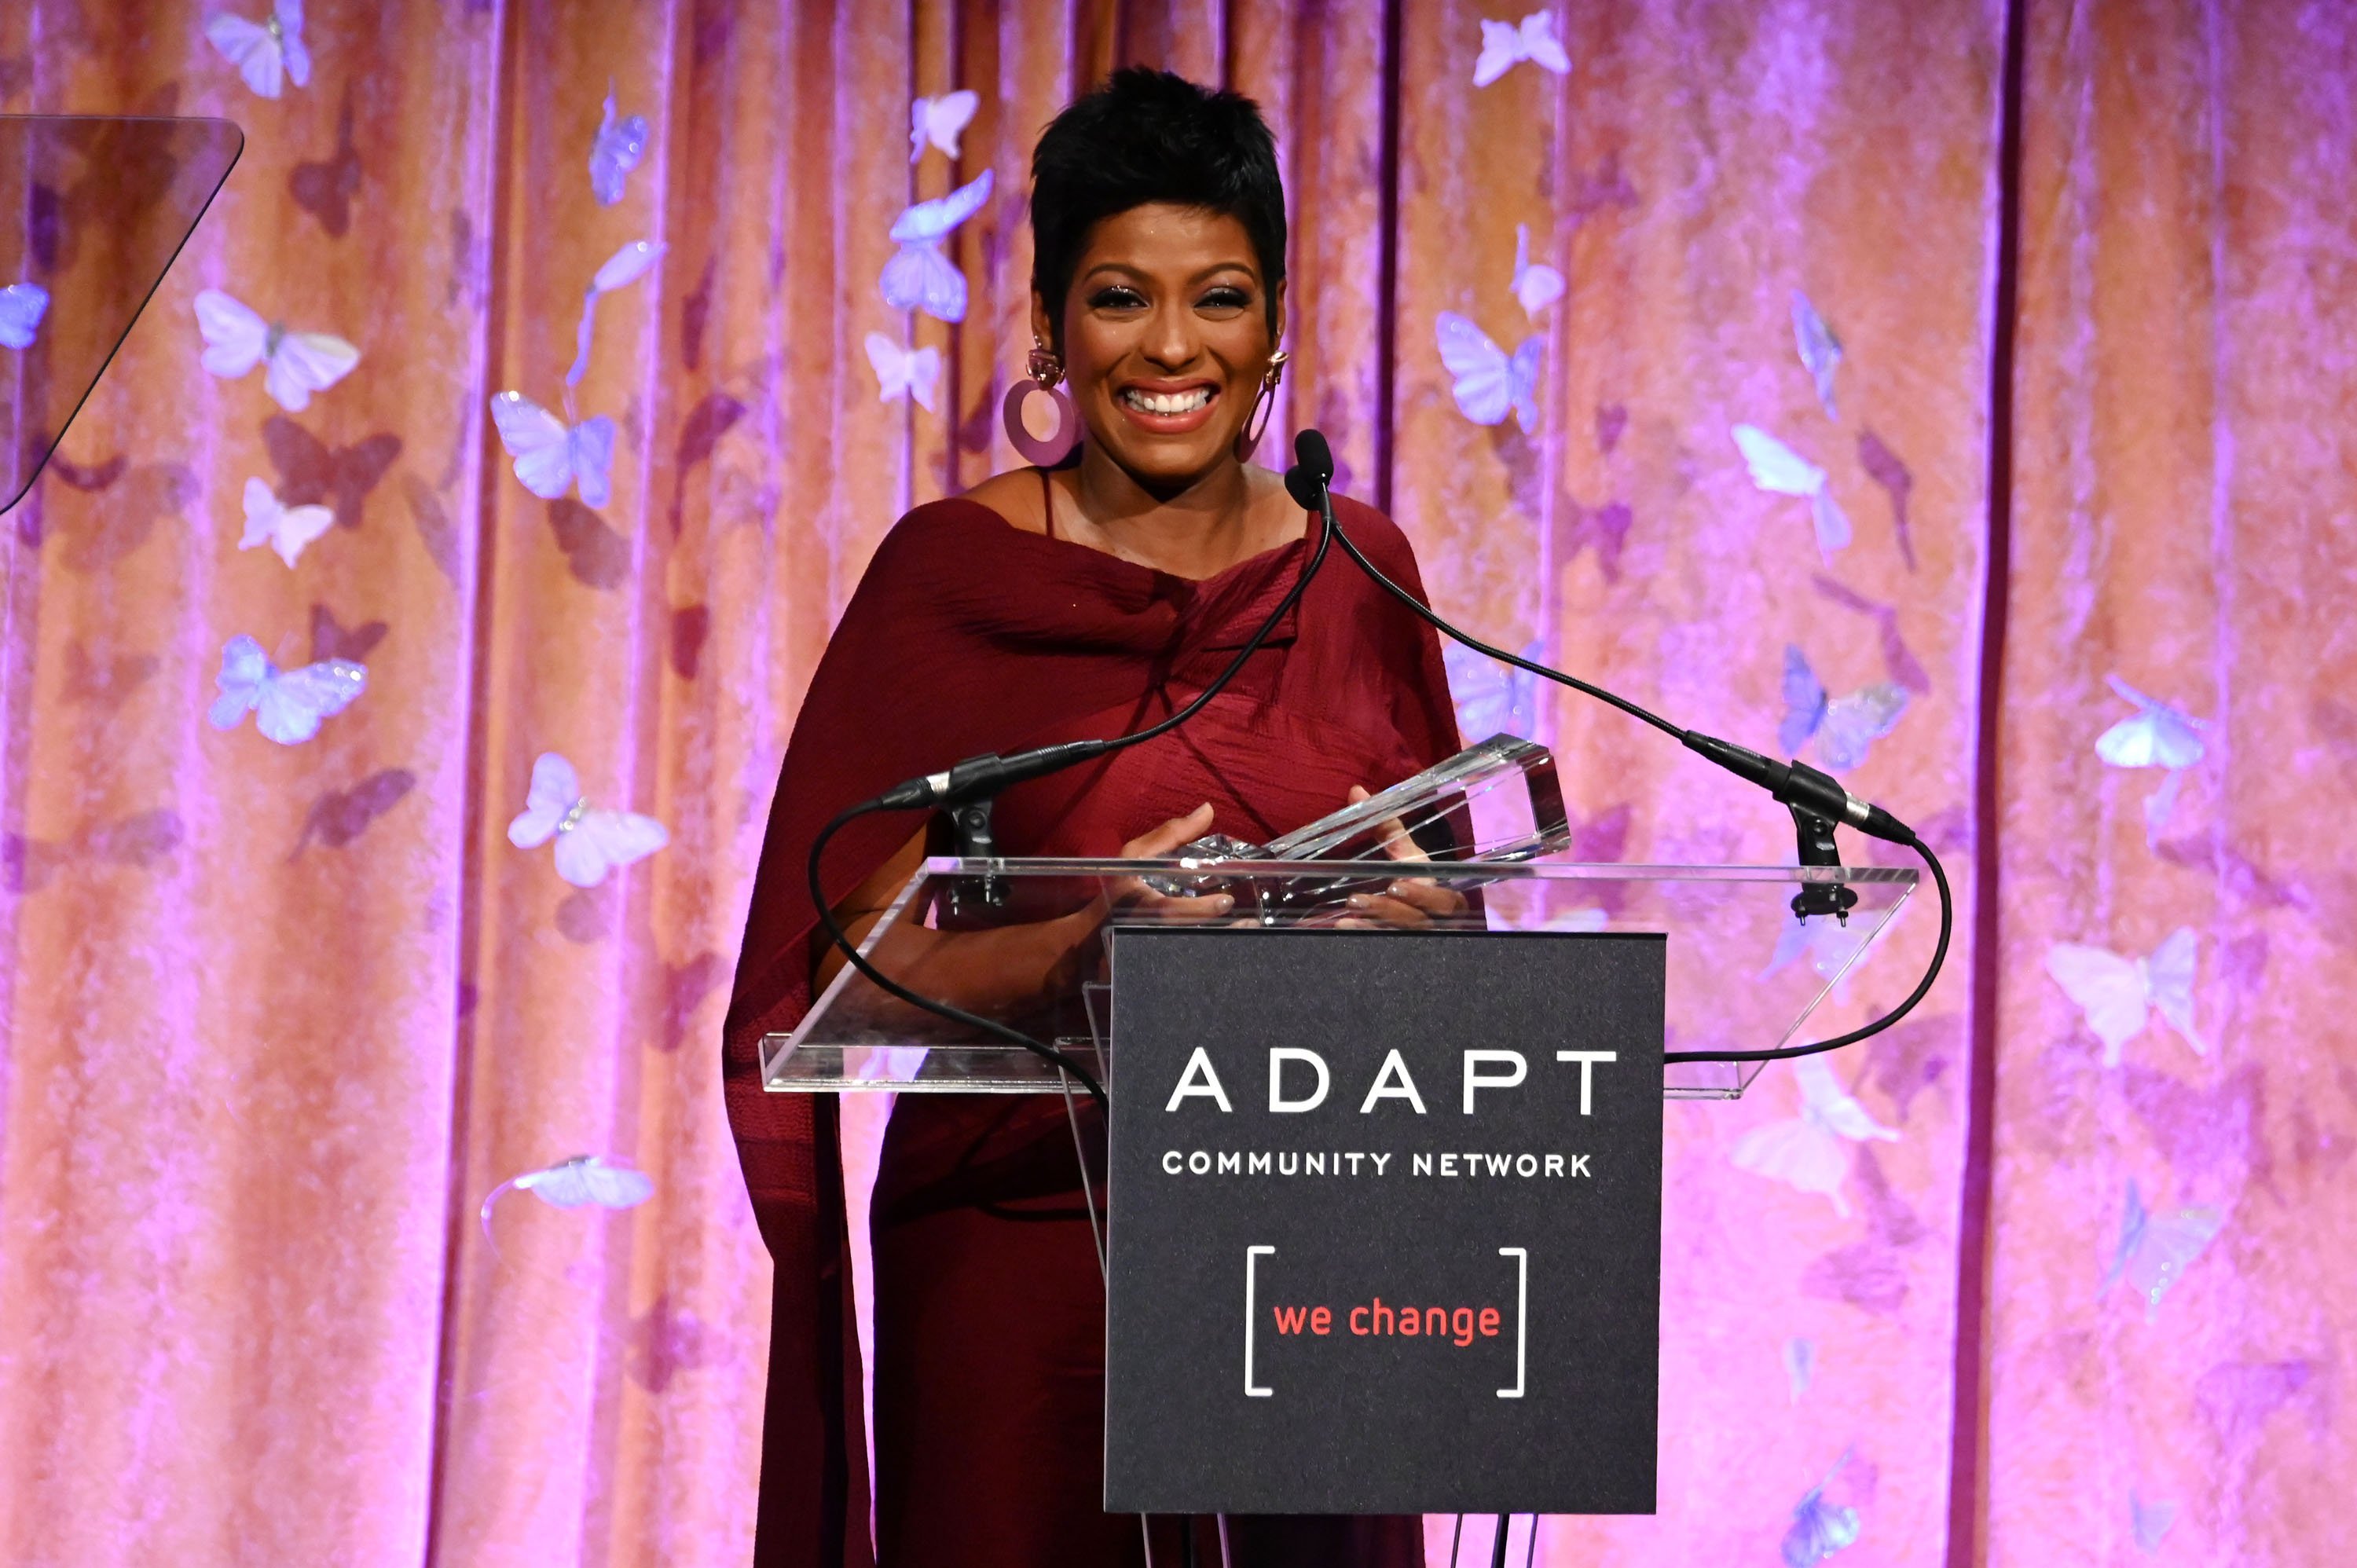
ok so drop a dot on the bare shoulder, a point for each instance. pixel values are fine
(1015, 495)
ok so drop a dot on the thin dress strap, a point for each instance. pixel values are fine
(1048, 502)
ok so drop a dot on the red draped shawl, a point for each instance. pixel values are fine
(969, 635)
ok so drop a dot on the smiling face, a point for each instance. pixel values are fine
(1165, 338)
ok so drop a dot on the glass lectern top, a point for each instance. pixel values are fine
(92, 210)
(1744, 970)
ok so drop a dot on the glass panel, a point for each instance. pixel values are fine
(92, 210)
(1744, 972)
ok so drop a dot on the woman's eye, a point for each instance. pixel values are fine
(1225, 299)
(1115, 298)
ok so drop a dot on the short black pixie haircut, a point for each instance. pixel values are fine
(1144, 136)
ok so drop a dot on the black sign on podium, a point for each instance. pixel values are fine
(1386, 1222)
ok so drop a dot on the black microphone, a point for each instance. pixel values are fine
(980, 777)
(1792, 783)
(1312, 474)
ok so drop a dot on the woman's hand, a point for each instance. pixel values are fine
(1412, 901)
(1130, 895)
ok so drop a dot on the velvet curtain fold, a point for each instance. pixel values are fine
(278, 1019)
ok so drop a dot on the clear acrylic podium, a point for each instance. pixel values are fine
(1744, 972)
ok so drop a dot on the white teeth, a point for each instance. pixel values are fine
(1167, 403)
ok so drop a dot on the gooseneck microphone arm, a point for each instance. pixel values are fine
(1795, 784)
(979, 779)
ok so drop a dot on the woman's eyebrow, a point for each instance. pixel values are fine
(1126, 270)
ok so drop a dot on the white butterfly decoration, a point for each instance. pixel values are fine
(22, 305)
(2149, 1522)
(2119, 994)
(288, 705)
(1778, 469)
(1820, 351)
(300, 363)
(918, 277)
(1536, 286)
(1844, 727)
(1505, 45)
(904, 373)
(1491, 697)
(266, 51)
(285, 529)
(1800, 1367)
(1819, 1529)
(1805, 1152)
(590, 841)
(551, 457)
(569, 1184)
(623, 268)
(1827, 944)
(614, 151)
(2155, 1250)
(2155, 736)
(941, 121)
(1488, 383)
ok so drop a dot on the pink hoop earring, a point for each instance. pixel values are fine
(1046, 372)
(1264, 409)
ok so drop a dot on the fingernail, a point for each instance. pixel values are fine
(1359, 901)
(1224, 902)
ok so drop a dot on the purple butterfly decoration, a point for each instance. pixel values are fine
(596, 556)
(665, 1342)
(1607, 188)
(331, 639)
(690, 625)
(141, 842)
(699, 436)
(108, 684)
(122, 520)
(312, 473)
(685, 988)
(1611, 420)
(2237, 1396)
(1896, 656)
(2238, 877)
(584, 916)
(2205, 1134)
(1912, 1054)
(1867, 1273)
(92, 479)
(1883, 466)
(435, 529)
(326, 189)
(1606, 527)
(695, 313)
(339, 816)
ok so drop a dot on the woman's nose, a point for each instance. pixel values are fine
(1171, 342)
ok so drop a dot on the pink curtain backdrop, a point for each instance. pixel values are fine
(279, 1018)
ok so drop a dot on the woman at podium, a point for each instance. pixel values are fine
(1087, 595)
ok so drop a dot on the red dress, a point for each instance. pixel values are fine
(969, 635)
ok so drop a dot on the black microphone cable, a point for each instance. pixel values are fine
(1794, 784)
(980, 777)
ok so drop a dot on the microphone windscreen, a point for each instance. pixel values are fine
(1310, 450)
(1303, 486)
